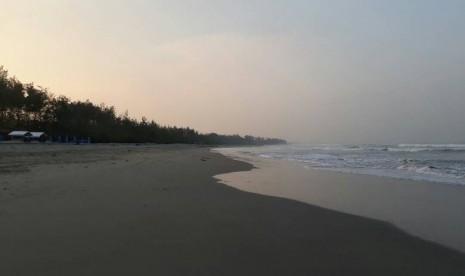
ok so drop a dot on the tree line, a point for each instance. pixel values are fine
(24, 106)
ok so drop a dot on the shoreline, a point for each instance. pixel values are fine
(428, 210)
(157, 210)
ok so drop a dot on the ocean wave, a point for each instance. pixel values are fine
(377, 148)
(431, 170)
(429, 147)
(432, 145)
(437, 163)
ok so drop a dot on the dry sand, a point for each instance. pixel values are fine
(157, 210)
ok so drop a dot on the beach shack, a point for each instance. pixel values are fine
(38, 136)
(28, 136)
(17, 135)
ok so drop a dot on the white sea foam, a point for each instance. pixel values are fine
(432, 162)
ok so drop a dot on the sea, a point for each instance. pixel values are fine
(441, 163)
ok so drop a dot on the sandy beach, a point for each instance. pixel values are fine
(432, 211)
(158, 210)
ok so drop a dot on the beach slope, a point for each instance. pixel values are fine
(157, 210)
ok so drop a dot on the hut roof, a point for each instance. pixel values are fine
(37, 134)
(19, 133)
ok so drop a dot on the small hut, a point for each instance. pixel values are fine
(28, 136)
(19, 135)
(39, 136)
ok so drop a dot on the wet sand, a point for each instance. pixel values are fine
(157, 210)
(432, 211)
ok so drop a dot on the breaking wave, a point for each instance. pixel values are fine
(443, 163)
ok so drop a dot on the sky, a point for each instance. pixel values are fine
(322, 71)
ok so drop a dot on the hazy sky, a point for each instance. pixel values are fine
(316, 71)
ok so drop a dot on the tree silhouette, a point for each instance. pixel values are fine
(25, 106)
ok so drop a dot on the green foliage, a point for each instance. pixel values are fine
(25, 106)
